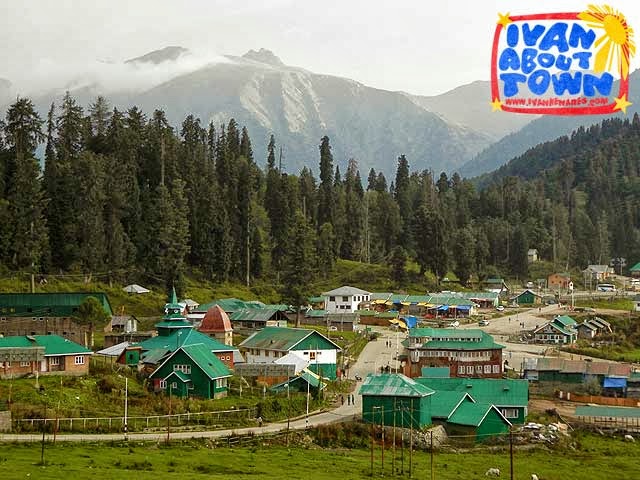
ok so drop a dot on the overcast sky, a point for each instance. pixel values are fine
(420, 46)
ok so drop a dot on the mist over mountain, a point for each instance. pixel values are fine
(299, 107)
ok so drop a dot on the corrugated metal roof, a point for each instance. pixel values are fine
(183, 337)
(455, 339)
(574, 366)
(435, 372)
(345, 290)
(617, 412)
(444, 403)
(497, 391)
(48, 304)
(53, 344)
(211, 365)
(282, 338)
(472, 414)
(255, 315)
(393, 385)
(316, 313)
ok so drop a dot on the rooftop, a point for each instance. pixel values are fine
(53, 344)
(393, 385)
(283, 338)
(346, 291)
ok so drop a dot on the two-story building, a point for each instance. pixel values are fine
(272, 343)
(467, 353)
(561, 329)
(557, 281)
(345, 299)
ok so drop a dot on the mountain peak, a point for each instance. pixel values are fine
(166, 54)
(264, 56)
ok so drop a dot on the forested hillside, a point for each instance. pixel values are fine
(125, 195)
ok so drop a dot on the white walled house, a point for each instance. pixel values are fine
(272, 343)
(345, 299)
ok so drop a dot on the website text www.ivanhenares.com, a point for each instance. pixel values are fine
(556, 102)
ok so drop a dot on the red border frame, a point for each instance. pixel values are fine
(495, 91)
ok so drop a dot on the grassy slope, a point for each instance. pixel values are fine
(594, 458)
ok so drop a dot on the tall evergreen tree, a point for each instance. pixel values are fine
(326, 200)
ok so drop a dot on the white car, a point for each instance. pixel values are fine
(499, 308)
(455, 324)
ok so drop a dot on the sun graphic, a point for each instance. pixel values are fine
(616, 42)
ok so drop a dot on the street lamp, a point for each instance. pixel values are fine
(288, 412)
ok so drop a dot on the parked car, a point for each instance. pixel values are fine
(454, 324)
(483, 323)
(500, 308)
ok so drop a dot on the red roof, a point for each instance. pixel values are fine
(215, 320)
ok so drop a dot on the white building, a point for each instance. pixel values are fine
(344, 299)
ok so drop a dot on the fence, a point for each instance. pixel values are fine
(212, 420)
(598, 399)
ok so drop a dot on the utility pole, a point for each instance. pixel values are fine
(288, 413)
(382, 428)
(511, 453)
(393, 459)
(169, 417)
(33, 279)
(126, 406)
(372, 440)
(432, 466)
(411, 440)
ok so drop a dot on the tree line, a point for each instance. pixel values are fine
(121, 191)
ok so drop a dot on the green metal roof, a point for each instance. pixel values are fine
(455, 339)
(305, 376)
(254, 314)
(183, 337)
(635, 268)
(179, 322)
(53, 344)
(211, 365)
(316, 299)
(281, 338)
(316, 313)
(472, 414)
(393, 385)
(444, 403)
(618, 412)
(183, 377)
(497, 391)
(565, 321)
(48, 304)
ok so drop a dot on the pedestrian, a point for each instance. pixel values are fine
(348, 399)
(342, 399)
(259, 420)
(353, 399)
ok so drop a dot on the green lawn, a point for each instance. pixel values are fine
(589, 458)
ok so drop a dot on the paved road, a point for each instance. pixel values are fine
(374, 355)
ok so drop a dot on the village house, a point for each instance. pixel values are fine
(635, 270)
(42, 355)
(47, 314)
(345, 299)
(510, 396)
(174, 332)
(251, 319)
(532, 255)
(598, 273)
(467, 353)
(216, 324)
(271, 343)
(192, 370)
(557, 281)
(496, 285)
(561, 330)
(592, 327)
(528, 297)
(122, 324)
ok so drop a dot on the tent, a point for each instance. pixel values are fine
(134, 288)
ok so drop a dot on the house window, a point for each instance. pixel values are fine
(182, 368)
(496, 369)
(54, 361)
(332, 299)
(345, 299)
(487, 369)
(79, 360)
(478, 368)
(312, 355)
(509, 412)
(25, 364)
(461, 369)
(470, 369)
(163, 384)
(174, 385)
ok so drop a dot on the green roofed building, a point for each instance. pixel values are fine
(477, 422)
(47, 314)
(256, 318)
(394, 399)
(467, 353)
(271, 343)
(510, 396)
(192, 370)
(42, 354)
(561, 330)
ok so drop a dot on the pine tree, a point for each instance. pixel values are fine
(398, 263)
(326, 200)
(325, 250)
(464, 255)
